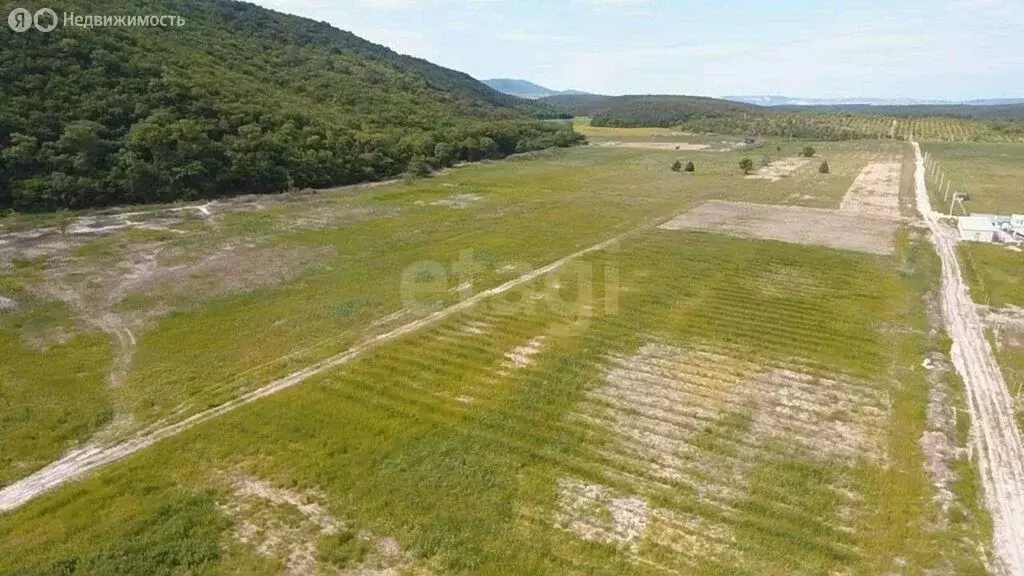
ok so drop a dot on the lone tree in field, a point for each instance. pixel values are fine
(808, 152)
(747, 165)
(689, 166)
(677, 166)
(824, 168)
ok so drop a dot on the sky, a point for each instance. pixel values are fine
(927, 49)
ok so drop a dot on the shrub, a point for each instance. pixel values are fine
(677, 166)
(808, 152)
(689, 166)
(824, 168)
(747, 165)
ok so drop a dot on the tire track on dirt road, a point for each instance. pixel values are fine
(80, 461)
(995, 440)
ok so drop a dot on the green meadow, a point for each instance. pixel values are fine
(678, 402)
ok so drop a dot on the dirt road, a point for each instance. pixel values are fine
(996, 443)
(81, 461)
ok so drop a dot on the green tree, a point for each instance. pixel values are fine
(446, 154)
(747, 165)
(122, 122)
(677, 166)
(488, 147)
(689, 166)
(471, 149)
(824, 168)
(808, 152)
(418, 167)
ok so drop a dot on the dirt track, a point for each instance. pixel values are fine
(996, 442)
(79, 462)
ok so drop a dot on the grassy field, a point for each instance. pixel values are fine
(300, 280)
(994, 274)
(991, 174)
(679, 402)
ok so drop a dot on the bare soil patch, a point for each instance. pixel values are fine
(658, 400)
(798, 225)
(778, 169)
(459, 201)
(287, 525)
(522, 356)
(938, 442)
(875, 191)
(703, 418)
(475, 327)
(598, 514)
(824, 418)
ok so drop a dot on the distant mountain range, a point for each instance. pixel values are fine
(788, 101)
(525, 88)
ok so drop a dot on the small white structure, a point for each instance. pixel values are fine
(977, 228)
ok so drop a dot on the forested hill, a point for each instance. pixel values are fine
(238, 100)
(652, 110)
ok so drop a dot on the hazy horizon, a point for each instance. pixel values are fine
(944, 50)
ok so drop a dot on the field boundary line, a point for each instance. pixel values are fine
(79, 462)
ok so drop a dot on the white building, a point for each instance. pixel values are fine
(976, 228)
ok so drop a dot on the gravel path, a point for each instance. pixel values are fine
(995, 440)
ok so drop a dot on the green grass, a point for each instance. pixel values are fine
(436, 441)
(53, 393)
(994, 274)
(471, 488)
(374, 235)
(990, 174)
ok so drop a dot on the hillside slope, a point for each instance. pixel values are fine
(520, 88)
(238, 100)
(525, 88)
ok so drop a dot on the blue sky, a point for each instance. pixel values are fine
(952, 49)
